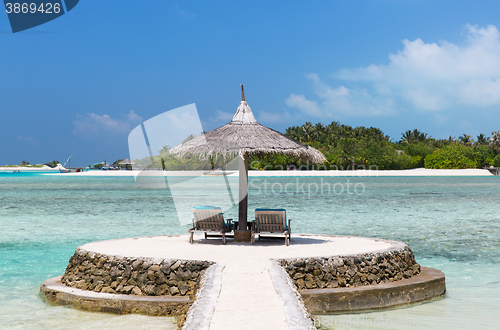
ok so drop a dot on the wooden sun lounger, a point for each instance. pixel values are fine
(209, 219)
(271, 221)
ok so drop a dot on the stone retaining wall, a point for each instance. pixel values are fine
(351, 271)
(136, 276)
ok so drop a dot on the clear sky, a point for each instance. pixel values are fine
(86, 79)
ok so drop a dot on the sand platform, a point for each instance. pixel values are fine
(246, 286)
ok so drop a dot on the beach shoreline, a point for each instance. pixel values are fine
(44, 168)
(357, 173)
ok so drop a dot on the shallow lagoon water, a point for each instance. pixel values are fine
(451, 223)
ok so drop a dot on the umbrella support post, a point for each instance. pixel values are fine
(241, 234)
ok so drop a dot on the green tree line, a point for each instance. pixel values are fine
(347, 147)
(344, 146)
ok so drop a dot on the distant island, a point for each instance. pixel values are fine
(52, 164)
(57, 165)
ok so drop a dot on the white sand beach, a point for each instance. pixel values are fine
(44, 168)
(357, 173)
(374, 173)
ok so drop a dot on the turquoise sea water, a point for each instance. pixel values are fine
(451, 223)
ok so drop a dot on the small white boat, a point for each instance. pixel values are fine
(62, 169)
(73, 170)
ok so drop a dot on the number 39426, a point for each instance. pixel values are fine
(25, 8)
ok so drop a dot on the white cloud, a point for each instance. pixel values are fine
(421, 76)
(132, 117)
(28, 139)
(300, 102)
(222, 116)
(340, 101)
(92, 123)
(273, 117)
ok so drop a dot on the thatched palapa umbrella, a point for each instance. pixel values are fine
(127, 162)
(241, 137)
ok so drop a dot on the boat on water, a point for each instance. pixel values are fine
(63, 169)
(16, 171)
(73, 170)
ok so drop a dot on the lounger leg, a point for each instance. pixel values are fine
(191, 237)
(205, 235)
(287, 242)
(224, 240)
(289, 230)
(253, 239)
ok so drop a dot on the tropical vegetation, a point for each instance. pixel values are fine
(347, 147)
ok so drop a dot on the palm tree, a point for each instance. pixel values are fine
(317, 132)
(466, 139)
(482, 139)
(414, 136)
(306, 132)
(495, 141)
(347, 150)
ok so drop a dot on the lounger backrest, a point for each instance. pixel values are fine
(208, 218)
(270, 220)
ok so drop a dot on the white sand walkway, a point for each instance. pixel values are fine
(248, 296)
(247, 299)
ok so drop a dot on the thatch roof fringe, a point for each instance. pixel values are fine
(233, 139)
